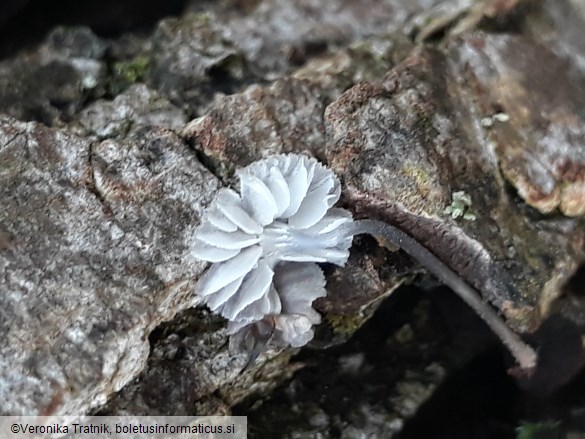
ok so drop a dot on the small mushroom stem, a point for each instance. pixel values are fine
(522, 352)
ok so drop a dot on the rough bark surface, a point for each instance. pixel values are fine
(472, 142)
(407, 145)
(95, 254)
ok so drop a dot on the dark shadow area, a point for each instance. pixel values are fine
(444, 331)
(479, 398)
(476, 402)
(321, 382)
(576, 285)
(24, 23)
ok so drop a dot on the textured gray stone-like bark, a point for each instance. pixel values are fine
(473, 144)
(95, 253)
(409, 144)
(136, 108)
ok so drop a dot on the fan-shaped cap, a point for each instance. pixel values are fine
(264, 243)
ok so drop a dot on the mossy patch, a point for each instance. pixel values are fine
(345, 324)
(126, 73)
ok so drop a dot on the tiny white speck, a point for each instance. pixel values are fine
(501, 117)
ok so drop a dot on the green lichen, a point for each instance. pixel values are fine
(460, 207)
(131, 71)
(420, 189)
(418, 173)
(198, 18)
(344, 324)
(538, 430)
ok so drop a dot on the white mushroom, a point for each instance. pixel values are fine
(265, 241)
